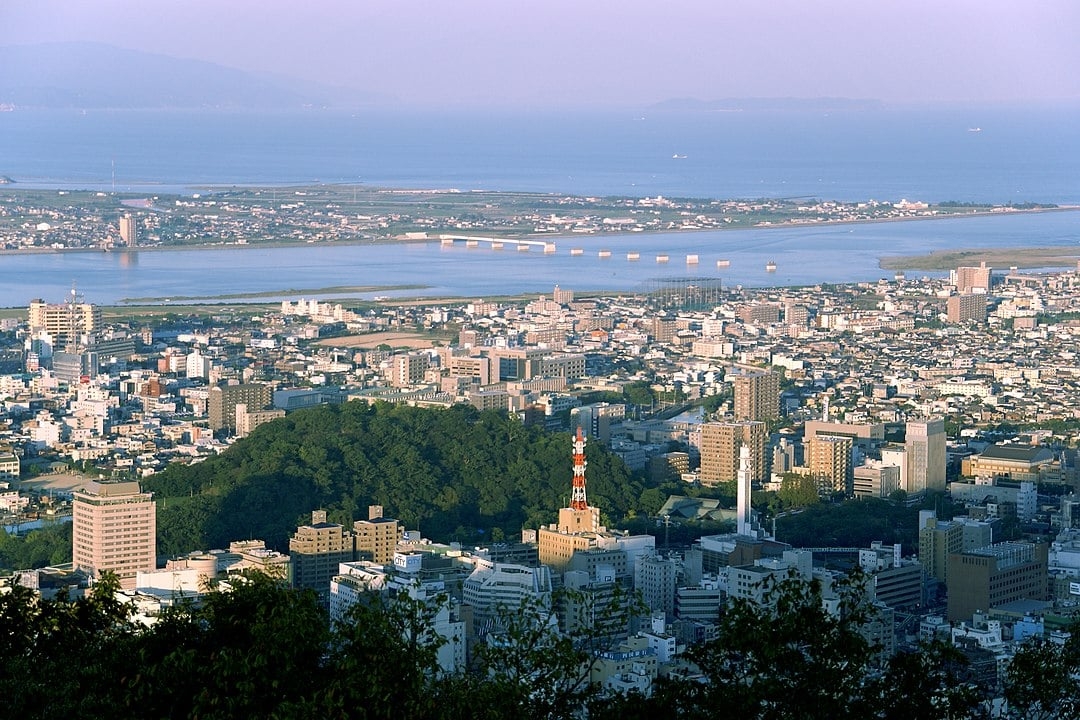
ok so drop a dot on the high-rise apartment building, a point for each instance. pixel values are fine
(760, 313)
(222, 400)
(924, 447)
(408, 369)
(829, 460)
(663, 329)
(720, 443)
(114, 528)
(973, 279)
(317, 550)
(376, 537)
(757, 395)
(562, 297)
(129, 230)
(966, 308)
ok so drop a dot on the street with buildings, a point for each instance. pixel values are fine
(965, 386)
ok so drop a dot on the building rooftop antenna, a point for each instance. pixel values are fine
(577, 498)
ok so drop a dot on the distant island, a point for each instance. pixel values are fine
(817, 104)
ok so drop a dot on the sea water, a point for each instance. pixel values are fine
(982, 154)
(977, 154)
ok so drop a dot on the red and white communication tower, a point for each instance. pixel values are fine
(577, 499)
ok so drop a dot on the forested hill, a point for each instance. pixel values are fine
(454, 474)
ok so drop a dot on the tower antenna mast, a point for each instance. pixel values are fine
(577, 498)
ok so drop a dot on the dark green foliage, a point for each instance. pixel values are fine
(854, 523)
(50, 545)
(62, 659)
(1042, 681)
(246, 653)
(930, 683)
(454, 473)
(798, 491)
(266, 651)
(795, 661)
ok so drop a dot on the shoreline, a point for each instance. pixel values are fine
(433, 236)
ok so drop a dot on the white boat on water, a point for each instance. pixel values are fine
(770, 266)
(577, 251)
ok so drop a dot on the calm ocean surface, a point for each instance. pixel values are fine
(804, 256)
(1019, 154)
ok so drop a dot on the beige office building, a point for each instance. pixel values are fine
(924, 444)
(66, 323)
(408, 369)
(720, 443)
(114, 528)
(576, 531)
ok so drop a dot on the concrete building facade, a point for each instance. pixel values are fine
(966, 308)
(720, 443)
(757, 395)
(223, 399)
(114, 528)
(924, 447)
(995, 575)
(317, 550)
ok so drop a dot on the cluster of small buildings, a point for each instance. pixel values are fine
(865, 390)
(82, 220)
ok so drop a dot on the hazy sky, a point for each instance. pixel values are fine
(601, 52)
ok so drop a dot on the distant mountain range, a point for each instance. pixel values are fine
(766, 103)
(92, 75)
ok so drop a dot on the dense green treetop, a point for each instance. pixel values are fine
(453, 473)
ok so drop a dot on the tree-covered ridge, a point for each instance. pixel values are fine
(453, 473)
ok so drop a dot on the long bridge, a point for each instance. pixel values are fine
(497, 243)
